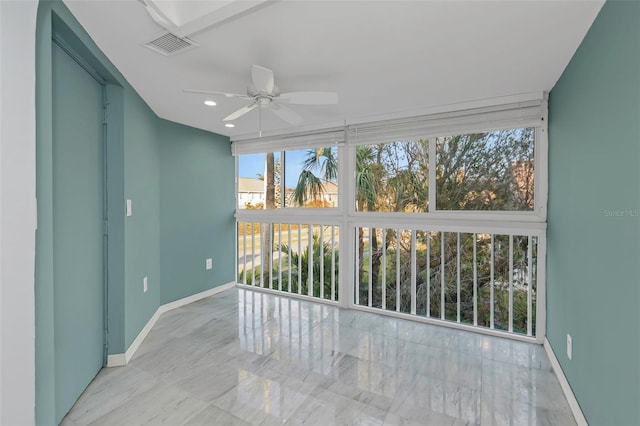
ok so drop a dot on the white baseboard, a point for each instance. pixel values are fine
(195, 297)
(118, 360)
(564, 384)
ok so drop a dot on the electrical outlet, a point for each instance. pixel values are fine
(569, 346)
(209, 264)
(145, 284)
(128, 209)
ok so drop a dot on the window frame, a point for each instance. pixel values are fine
(519, 111)
(282, 208)
(537, 214)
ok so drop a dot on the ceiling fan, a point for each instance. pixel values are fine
(264, 93)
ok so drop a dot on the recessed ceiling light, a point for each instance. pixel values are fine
(210, 103)
(229, 125)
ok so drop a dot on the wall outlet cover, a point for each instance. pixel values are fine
(209, 264)
(569, 347)
(145, 284)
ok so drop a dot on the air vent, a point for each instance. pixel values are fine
(169, 44)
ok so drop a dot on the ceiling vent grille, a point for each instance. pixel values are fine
(170, 44)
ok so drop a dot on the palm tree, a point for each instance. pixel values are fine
(321, 166)
(300, 260)
(323, 161)
(311, 187)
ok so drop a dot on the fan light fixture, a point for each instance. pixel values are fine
(263, 93)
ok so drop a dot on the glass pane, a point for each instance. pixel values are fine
(483, 256)
(391, 290)
(422, 271)
(364, 272)
(534, 282)
(376, 243)
(393, 177)
(450, 275)
(435, 262)
(466, 278)
(311, 178)
(259, 181)
(501, 281)
(520, 283)
(405, 271)
(486, 171)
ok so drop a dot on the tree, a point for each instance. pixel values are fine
(295, 259)
(481, 171)
(267, 228)
(321, 166)
(311, 186)
(485, 171)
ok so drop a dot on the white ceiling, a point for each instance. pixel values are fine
(381, 57)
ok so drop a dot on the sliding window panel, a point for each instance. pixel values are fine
(521, 291)
(486, 170)
(390, 269)
(421, 272)
(435, 275)
(311, 178)
(405, 270)
(450, 268)
(501, 282)
(392, 176)
(484, 270)
(466, 272)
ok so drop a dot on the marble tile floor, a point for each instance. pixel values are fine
(248, 358)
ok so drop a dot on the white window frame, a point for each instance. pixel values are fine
(536, 117)
(348, 219)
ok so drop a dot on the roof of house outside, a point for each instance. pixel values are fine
(330, 187)
(250, 185)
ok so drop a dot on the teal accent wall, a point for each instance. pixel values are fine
(197, 205)
(174, 175)
(142, 228)
(593, 237)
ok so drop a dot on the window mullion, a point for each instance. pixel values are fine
(346, 242)
(283, 170)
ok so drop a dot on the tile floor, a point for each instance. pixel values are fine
(243, 357)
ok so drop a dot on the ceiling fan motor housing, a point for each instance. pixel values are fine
(253, 92)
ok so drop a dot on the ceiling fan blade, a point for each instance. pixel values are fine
(309, 98)
(239, 113)
(262, 79)
(286, 113)
(211, 92)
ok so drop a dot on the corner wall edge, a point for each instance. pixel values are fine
(564, 384)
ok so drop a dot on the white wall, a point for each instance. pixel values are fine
(17, 210)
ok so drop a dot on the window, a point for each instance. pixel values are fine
(311, 177)
(444, 215)
(393, 177)
(491, 170)
(486, 171)
(296, 178)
